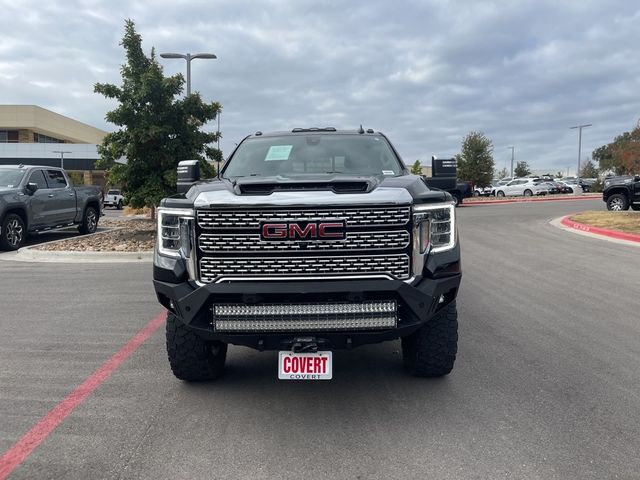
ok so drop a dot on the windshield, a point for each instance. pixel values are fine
(291, 155)
(10, 178)
(113, 192)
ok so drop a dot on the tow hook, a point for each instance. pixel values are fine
(304, 345)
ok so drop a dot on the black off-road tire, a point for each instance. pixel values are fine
(119, 207)
(431, 350)
(617, 202)
(457, 199)
(89, 221)
(13, 232)
(191, 358)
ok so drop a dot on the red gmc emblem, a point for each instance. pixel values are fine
(305, 230)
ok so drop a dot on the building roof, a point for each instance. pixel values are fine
(46, 122)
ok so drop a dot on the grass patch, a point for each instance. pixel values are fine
(628, 222)
(136, 211)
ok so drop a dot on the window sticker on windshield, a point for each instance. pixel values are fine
(278, 152)
(388, 172)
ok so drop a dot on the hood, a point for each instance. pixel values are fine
(337, 183)
(309, 190)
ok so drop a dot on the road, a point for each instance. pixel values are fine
(546, 385)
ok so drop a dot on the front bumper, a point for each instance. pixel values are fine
(417, 303)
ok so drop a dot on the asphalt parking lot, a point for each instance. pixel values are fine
(546, 385)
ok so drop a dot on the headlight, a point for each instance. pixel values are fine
(434, 230)
(174, 231)
(434, 227)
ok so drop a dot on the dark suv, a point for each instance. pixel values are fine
(310, 241)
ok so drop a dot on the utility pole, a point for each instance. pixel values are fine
(62, 152)
(512, 156)
(580, 127)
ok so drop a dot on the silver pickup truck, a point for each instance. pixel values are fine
(35, 198)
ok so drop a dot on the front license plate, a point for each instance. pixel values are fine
(305, 366)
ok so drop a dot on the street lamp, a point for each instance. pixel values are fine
(62, 152)
(188, 57)
(580, 127)
(512, 155)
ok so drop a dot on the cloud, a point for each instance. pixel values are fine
(424, 72)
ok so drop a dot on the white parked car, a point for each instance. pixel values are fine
(522, 187)
(483, 191)
(572, 187)
(114, 198)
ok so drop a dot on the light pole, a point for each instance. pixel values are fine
(579, 127)
(188, 57)
(62, 152)
(512, 155)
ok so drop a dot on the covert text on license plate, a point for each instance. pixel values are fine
(305, 366)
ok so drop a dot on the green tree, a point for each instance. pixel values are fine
(559, 174)
(475, 162)
(622, 155)
(588, 170)
(522, 169)
(416, 169)
(503, 173)
(156, 130)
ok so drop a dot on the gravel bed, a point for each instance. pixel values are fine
(127, 236)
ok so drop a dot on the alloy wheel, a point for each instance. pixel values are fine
(14, 233)
(91, 220)
(616, 204)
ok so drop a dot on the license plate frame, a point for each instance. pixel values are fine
(307, 366)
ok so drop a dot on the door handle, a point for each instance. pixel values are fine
(50, 195)
(71, 194)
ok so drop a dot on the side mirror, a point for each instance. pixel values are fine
(636, 178)
(31, 188)
(188, 174)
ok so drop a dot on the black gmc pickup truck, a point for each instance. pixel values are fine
(620, 193)
(33, 199)
(312, 240)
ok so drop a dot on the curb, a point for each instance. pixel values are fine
(45, 256)
(629, 237)
(31, 254)
(531, 200)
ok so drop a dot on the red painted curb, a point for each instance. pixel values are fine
(531, 200)
(20, 450)
(632, 237)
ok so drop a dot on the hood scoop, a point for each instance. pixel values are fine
(268, 186)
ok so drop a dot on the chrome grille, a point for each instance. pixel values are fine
(244, 242)
(212, 268)
(228, 219)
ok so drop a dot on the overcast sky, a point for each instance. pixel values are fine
(423, 72)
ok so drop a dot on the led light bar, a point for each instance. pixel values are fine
(301, 325)
(305, 317)
(304, 309)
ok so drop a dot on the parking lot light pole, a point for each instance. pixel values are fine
(188, 57)
(62, 152)
(512, 155)
(580, 127)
